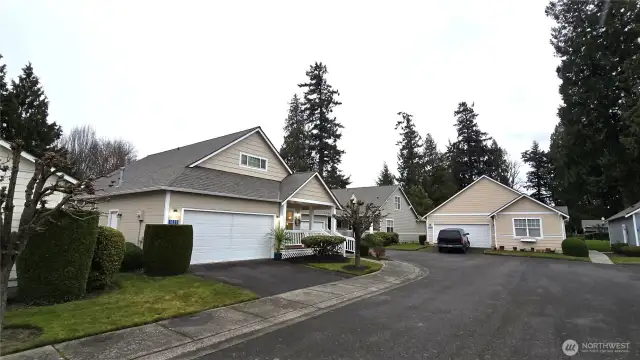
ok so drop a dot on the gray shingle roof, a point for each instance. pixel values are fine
(372, 194)
(592, 223)
(222, 182)
(292, 182)
(625, 212)
(563, 209)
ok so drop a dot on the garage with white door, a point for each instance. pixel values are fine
(228, 236)
(479, 234)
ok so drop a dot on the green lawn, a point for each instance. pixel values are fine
(536, 255)
(599, 245)
(373, 266)
(406, 246)
(622, 259)
(139, 300)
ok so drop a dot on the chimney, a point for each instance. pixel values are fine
(121, 176)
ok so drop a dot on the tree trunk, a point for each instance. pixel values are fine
(7, 264)
(357, 251)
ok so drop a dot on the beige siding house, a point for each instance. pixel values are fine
(498, 216)
(233, 190)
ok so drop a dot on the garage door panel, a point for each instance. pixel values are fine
(479, 235)
(228, 236)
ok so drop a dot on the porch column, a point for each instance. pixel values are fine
(310, 217)
(283, 215)
(333, 220)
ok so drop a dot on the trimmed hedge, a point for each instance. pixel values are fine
(323, 245)
(132, 260)
(55, 264)
(372, 240)
(631, 251)
(575, 247)
(167, 249)
(107, 258)
(389, 238)
(597, 236)
(617, 247)
(422, 239)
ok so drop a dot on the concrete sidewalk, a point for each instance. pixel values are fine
(208, 331)
(599, 258)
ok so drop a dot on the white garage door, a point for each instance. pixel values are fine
(228, 237)
(317, 225)
(479, 235)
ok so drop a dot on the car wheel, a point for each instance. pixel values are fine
(439, 249)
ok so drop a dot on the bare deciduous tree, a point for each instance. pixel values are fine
(513, 174)
(360, 216)
(45, 181)
(91, 156)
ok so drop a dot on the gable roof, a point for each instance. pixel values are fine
(626, 212)
(298, 180)
(378, 195)
(467, 187)
(33, 159)
(530, 198)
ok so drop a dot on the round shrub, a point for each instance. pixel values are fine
(107, 258)
(323, 245)
(372, 240)
(55, 264)
(632, 251)
(575, 247)
(132, 260)
(389, 238)
(167, 249)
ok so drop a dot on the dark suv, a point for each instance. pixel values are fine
(453, 238)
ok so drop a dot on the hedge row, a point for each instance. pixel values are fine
(167, 249)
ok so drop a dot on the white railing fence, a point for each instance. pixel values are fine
(298, 235)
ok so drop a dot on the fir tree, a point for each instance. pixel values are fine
(410, 153)
(385, 177)
(468, 154)
(25, 109)
(539, 177)
(437, 181)
(295, 150)
(497, 164)
(319, 102)
(419, 199)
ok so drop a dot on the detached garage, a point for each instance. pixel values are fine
(228, 236)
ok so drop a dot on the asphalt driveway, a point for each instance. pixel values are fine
(266, 277)
(471, 306)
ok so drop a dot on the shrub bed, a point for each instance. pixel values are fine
(631, 251)
(575, 247)
(389, 238)
(132, 260)
(617, 247)
(107, 258)
(167, 249)
(323, 245)
(55, 264)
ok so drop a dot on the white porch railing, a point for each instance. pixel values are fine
(350, 244)
(298, 235)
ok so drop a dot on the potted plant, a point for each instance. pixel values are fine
(280, 237)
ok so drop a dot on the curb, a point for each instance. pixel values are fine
(333, 295)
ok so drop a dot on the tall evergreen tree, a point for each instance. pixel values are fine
(497, 164)
(295, 150)
(410, 166)
(437, 181)
(597, 44)
(25, 109)
(468, 154)
(385, 177)
(539, 178)
(324, 130)
(419, 199)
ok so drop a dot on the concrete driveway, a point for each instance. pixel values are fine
(471, 306)
(266, 277)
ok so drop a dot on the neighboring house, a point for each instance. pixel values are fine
(496, 215)
(594, 226)
(26, 170)
(623, 226)
(398, 213)
(233, 190)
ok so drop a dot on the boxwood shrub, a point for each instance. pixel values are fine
(575, 247)
(107, 258)
(167, 249)
(55, 264)
(323, 245)
(132, 260)
(617, 247)
(389, 238)
(633, 251)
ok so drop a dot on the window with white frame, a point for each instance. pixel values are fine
(389, 225)
(397, 202)
(527, 228)
(252, 161)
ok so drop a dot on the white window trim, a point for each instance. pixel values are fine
(116, 211)
(266, 162)
(386, 224)
(513, 224)
(397, 201)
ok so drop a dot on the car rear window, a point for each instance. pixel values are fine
(449, 234)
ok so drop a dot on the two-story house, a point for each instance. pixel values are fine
(232, 189)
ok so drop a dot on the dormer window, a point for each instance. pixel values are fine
(253, 161)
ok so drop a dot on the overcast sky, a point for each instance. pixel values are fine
(166, 74)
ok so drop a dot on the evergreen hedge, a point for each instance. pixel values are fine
(55, 264)
(132, 260)
(167, 249)
(575, 247)
(323, 245)
(107, 258)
